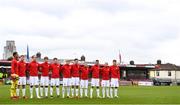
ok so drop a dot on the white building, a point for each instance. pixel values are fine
(166, 73)
(9, 49)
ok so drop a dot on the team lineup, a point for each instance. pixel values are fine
(75, 78)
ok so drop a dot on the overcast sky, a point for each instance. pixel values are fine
(143, 30)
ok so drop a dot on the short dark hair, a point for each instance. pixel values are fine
(33, 56)
(14, 53)
(75, 59)
(114, 60)
(55, 59)
(22, 56)
(97, 60)
(46, 58)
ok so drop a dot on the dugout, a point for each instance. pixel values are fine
(136, 72)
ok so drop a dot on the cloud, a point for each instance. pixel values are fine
(141, 30)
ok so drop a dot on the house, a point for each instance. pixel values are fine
(165, 74)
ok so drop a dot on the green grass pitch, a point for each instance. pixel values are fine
(127, 95)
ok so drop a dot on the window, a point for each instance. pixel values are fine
(157, 73)
(169, 73)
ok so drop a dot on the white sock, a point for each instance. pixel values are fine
(31, 91)
(41, 91)
(68, 91)
(97, 90)
(72, 91)
(51, 91)
(115, 91)
(17, 91)
(63, 91)
(57, 91)
(91, 92)
(86, 91)
(46, 91)
(107, 92)
(81, 92)
(23, 92)
(77, 92)
(111, 92)
(37, 92)
(103, 92)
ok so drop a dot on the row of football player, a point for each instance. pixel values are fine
(73, 77)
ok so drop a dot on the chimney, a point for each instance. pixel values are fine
(159, 62)
(131, 62)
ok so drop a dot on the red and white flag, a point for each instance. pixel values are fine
(119, 57)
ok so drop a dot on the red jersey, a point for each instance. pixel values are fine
(115, 72)
(55, 70)
(22, 68)
(84, 73)
(14, 67)
(33, 68)
(95, 71)
(66, 71)
(45, 69)
(105, 72)
(75, 70)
